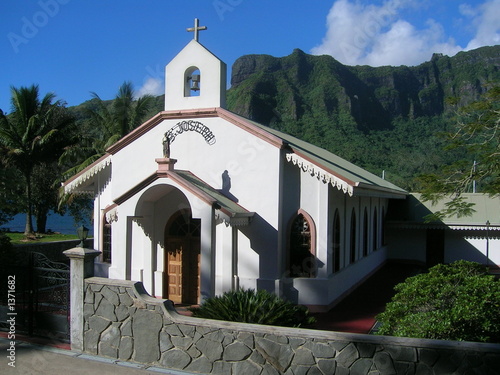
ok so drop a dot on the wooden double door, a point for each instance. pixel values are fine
(182, 258)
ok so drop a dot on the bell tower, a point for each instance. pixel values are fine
(195, 78)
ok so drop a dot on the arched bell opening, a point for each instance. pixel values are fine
(192, 79)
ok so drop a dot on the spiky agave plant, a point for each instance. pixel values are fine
(250, 306)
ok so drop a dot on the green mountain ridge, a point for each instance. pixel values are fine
(269, 89)
(381, 118)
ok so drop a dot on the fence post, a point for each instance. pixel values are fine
(81, 267)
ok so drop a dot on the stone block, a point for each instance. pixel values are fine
(181, 342)
(146, 326)
(366, 350)
(165, 342)
(126, 348)
(347, 356)
(236, 352)
(246, 368)
(200, 365)
(428, 356)
(90, 341)
(110, 336)
(327, 366)
(247, 339)
(173, 330)
(321, 350)
(269, 370)
(256, 357)
(210, 349)
(314, 371)
(300, 370)
(187, 330)
(221, 368)
(175, 358)
(383, 363)
(361, 367)
(126, 327)
(296, 342)
(280, 356)
(98, 323)
(111, 295)
(96, 287)
(108, 351)
(444, 365)
(125, 299)
(303, 357)
(422, 369)
(121, 312)
(106, 310)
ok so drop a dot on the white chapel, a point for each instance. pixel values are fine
(199, 200)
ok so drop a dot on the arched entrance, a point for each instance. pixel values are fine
(182, 259)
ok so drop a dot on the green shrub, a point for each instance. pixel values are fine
(459, 302)
(249, 306)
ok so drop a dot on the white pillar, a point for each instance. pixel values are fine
(81, 267)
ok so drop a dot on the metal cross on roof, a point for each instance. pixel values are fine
(196, 28)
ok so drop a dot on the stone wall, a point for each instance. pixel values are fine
(122, 321)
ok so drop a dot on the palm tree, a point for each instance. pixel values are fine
(108, 122)
(34, 133)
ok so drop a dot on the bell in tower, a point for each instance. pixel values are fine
(183, 86)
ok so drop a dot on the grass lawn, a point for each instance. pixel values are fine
(19, 238)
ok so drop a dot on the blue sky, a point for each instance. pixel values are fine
(75, 47)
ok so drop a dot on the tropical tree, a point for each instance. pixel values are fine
(477, 131)
(35, 132)
(459, 301)
(107, 123)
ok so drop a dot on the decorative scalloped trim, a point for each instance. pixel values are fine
(320, 174)
(87, 175)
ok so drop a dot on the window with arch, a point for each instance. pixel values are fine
(375, 230)
(301, 257)
(336, 241)
(365, 233)
(352, 252)
(192, 80)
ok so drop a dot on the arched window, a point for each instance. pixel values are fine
(336, 241)
(352, 252)
(192, 82)
(375, 230)
(301, 259)
(365, 233)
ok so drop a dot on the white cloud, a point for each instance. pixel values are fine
(486, 19)
(152, 86)
(359, 34)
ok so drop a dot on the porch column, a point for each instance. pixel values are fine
(81, 267)
(207, 252)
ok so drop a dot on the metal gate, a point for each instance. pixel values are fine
(41, 297)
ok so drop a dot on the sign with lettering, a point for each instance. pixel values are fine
(186, 126)
(190, 125)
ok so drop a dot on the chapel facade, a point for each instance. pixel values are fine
(199, 200)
